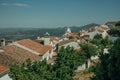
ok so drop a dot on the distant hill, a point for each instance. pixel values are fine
(89, 26)
(76, 28)
(32, 33)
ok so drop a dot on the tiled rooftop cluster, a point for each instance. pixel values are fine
(15, 54)
(33, 45)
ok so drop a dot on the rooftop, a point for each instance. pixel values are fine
(65, 42)
(112, 22)
(13, 53)
(33, 45)
(3, 68)
(48, 47)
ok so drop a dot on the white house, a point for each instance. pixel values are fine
(102, 29)
(70, 43)
(33, 47)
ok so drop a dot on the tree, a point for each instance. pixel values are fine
(98, 36)
(67, 62)
(114, 65)
(118, 23)
(115, 31)
(65, 65)
(71, 37)
(100, 69)
(100, 42)
(97, 39)
(31, 71)
(109, 66)
(89, 50)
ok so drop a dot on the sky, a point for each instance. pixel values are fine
(57, 13)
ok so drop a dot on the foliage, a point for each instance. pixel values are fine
(109, 66)
(98, 36)
(89, 50)
(99, 41)
(118, 23)
(31, 71)
(71, 37)
(100, 69)
(65, 65)
(115, 31)
(67, 62)
(114, 61)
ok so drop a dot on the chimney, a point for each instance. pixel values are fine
(2, 42)
(38, 38)
(10, 42)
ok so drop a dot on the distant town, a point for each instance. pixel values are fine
(18, 46)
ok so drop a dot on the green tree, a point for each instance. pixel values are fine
(97, 39)
(114, 62)
(100, 69)
(89, 50)
(71, 37)
(98, 36)
(118, 23)
(31, 71)
(109, 66)
(67, 62)
(65, 65)
(115, 31)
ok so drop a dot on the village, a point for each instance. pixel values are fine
(46, 47)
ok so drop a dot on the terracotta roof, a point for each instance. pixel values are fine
(6, 59)
(92, 29)
(104, 28)
(100, 30)
(3, 68)
(112, 22)
(39, 41)
(85, 37)
(48, 47)
(13, 54)
(65, 42)
(33, 45)
(54, 38)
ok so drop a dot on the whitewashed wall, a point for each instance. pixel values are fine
(46, 56)
(5, 77)
(75, 45)
(83, 67)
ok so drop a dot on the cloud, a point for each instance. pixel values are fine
(15, 4)
(4, 4)
(20, 4)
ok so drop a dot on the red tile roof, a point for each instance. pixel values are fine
(6, 59)
(54, 38)
(100, 30)
(13, 54)
(33, 45)
(65, 42)
(48, 47)
(39, 41)
(92, 29)
(112, 22)
(104, 28)
(85, 37)
(3, 68)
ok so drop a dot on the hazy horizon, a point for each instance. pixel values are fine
(56, 13)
